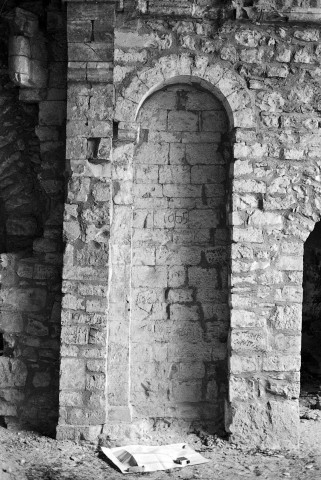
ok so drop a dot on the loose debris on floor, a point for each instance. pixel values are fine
(29, 456)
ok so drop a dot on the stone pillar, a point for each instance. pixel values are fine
(87, 220)
(266, 282)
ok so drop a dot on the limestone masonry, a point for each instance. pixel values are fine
(160, 180)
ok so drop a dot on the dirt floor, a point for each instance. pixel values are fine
(28, 456)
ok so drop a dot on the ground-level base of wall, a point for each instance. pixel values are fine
(270, 424)
(155, 431)
(77, 433)
(143, 431)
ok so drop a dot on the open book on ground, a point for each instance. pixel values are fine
(141, 458)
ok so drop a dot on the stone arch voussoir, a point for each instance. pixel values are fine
(218, 78)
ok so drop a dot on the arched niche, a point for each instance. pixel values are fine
(171, 246)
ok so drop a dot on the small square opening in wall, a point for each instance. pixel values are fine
(1, 345)
(92, 148)
(3, 423)
(115, 130)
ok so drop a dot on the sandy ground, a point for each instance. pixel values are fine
(28, 456)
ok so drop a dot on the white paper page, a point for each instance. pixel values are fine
(153, 458)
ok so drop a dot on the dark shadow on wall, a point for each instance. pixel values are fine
(311, 314)
(31, 215)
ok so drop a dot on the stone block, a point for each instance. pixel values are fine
(71, 399)
(177, 154)
(93, 52)
(155, 136)
(52, 113)
(274, 424)
(69, 350)
(178, 256)
(190, 391)
(71, 231)
(120, 414)
(294, 154)
(37, 328)
(287, 317)
(171, 218)
(65, 432)
(148, 190)
(21, 226)
(7, 409)
(144, 256)
(214, 121)
(95, 11)
(146, 276)
(245, 319)
(78, 189)
(287, 343)
(250, 235)
(13, 372)
(208, 174)
(174, 174)
(289, 262)
(197, 154)
(146, 174)
(205, 280)
(242, 389)
(72, 374)
(182, 313)
(268, 219)
(11, 322)
(248, 340)
(41, 379)
(152, 153)
(176, 276)
(134, 40)
(192, 352)
(97, 336)
(76, 148)
(182, 121)
(77, 416)
(199, 219)
(180, 295)
(281, 363)
(73, 302)
(245, 364)
(96, 366)
(79, 31)
(95, 381)
(179, 190)
(289, 294)
(77, 335)
(25, 299)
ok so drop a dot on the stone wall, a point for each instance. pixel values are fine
(32, 195)
(267, 77)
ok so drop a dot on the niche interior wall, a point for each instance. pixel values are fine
(264, 72)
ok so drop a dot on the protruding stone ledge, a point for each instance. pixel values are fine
(296, 14)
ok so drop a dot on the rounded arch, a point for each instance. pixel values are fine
(218, 78)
